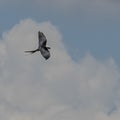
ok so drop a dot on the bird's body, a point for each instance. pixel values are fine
(42, 46)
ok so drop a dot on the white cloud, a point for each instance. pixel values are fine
(32, 88)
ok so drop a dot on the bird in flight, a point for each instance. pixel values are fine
(41, 46)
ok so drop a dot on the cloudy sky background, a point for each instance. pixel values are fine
(81, 80)
(87, 25)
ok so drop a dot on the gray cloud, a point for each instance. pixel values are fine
(32, 88)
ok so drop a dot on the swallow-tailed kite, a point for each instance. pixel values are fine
(42, 46)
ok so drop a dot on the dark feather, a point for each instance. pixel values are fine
(42, 46)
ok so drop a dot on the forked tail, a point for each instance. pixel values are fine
(32, 51)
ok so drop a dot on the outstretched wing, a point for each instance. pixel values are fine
(42, 39)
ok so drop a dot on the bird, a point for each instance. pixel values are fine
(42, 41)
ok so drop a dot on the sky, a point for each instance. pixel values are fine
(81, 80)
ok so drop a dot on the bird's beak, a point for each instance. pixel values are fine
(48, 47)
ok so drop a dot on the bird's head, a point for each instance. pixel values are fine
(48, 48)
